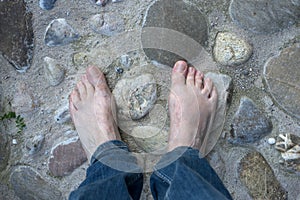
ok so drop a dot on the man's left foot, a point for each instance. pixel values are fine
(93, 111)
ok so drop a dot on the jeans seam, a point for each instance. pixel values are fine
(163, 176)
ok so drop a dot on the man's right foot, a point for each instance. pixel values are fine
(192, 106)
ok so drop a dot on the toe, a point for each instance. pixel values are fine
(199, 80)
(81, 89)
(89, 88)
(214, 94)
(179, 72)
(190, 79)
(74, 99)
(95, 76)
(208, 86)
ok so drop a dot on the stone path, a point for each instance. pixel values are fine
(249, 48)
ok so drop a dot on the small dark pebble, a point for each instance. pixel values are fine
(119, 70)
(245, 72)
(47, 4)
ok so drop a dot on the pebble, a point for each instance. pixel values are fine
(271, 141)
(117, 1)
(54, 73)
(175, 22)
(100, 2)
(285, 67)
(66, 157)
(125, 61)
(108, 24)
(35, 144)
(264, 16)
(14, 142)
(62, 115)
(140, 94)
(59, 33)
(231, 50)
(28, 184)
(249, 123)
(47, 4)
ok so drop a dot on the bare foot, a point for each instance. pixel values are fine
(192, 105)
(92, 108)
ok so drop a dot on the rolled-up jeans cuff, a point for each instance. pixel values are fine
(110, 145)
(166, 166)
(116, 155)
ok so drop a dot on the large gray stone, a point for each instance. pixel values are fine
(264, 16)
(282, 78)
(16, 33)
(66, 157)
(259, 178)
(169, 17)
(30, 185)
(4, 151)
(249, 123)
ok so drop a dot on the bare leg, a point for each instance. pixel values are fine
(192, 105)
(93, 111)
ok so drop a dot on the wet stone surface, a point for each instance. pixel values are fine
(249, 123)
(66, 157)
(282, 77)
(166, 14)
(29, 184)
(265, 16)
(4, 151)
(16, 33)
(257, 175)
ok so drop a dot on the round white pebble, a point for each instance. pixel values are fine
(271, 141)
(14, 141)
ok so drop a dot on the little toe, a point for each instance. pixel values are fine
(95, 76)
(199, 79)
(179, 72)
(81, 89)
(214, 94)
(89, 88)
(208, 86)
(74, 99)
(190, 79)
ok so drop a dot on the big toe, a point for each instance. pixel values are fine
(179, 72)
(95, 76)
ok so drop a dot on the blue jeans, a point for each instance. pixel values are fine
(180, 174)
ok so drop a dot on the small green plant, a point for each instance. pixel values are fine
(20, 124)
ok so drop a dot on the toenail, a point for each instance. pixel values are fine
(191, 69)
(180, 67)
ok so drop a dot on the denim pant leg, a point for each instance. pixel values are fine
(113, 174)
(184, 174)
